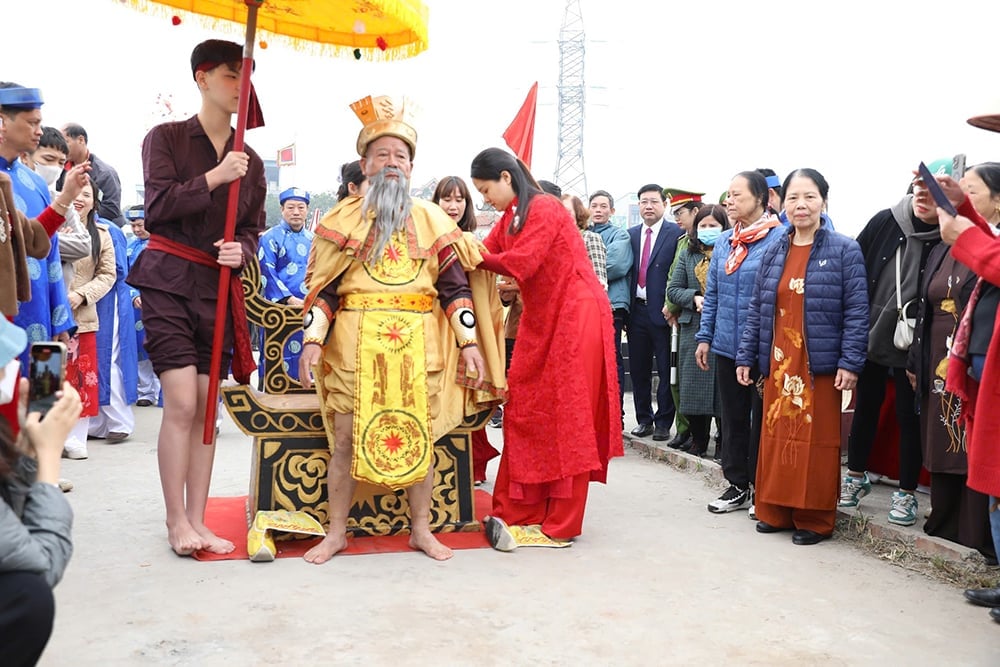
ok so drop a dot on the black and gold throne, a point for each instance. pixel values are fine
(290, 450)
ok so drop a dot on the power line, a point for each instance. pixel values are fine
(569, 174)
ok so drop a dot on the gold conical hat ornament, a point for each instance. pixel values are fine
(382, 117)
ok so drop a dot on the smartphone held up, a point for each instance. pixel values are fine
(46, 375)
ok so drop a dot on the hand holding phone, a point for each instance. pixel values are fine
(46, 375)
(45, 439)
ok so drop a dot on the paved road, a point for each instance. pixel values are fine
(655, 580)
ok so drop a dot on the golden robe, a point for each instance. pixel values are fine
(398, 294)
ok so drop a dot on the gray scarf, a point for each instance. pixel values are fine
(882, 322)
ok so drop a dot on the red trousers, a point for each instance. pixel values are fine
(482, 452)
(560, 518)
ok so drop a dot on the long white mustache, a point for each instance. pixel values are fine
(389, 200)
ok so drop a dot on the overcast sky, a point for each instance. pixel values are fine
(682, 94)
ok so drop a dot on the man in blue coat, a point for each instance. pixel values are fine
(116, 355)
(654, 243)
(148, 390)
(283, 254)
(48, 315)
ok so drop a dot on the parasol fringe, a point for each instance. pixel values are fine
(410, 42)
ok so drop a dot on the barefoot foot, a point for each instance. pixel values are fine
(212, 542)
(424, 540)
(184, 539)
(325, 550)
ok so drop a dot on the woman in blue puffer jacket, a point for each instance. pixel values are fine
(731, 274)
(807, 335)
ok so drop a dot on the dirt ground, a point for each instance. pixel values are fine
(654, 580)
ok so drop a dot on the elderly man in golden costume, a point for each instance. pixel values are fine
(391, 333)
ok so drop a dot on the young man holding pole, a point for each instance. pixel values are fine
(185, 166)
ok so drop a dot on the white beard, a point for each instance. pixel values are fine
(389, 200)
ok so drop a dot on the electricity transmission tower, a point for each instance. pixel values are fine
(570, 174)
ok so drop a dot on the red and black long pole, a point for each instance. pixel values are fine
(232, 206)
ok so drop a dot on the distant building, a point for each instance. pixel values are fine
(271, 174)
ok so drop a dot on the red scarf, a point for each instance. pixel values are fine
(744, 236)
(243, 363)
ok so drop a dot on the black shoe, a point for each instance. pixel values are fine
(764, 527)
(643, 430)
(679, 441)
(143, 403)
(995, 615)
(661, 434)
(694, 449)
(807, 537)
(984, 597)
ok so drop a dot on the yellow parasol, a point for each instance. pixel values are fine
(378, 29)
(373, 29)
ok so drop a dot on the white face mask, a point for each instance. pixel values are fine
(11, 373)
(50, 172)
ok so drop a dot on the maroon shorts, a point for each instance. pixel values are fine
(179, 331)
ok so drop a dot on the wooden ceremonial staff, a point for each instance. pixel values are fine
(225, 272)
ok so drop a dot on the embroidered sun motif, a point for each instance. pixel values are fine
(394, 334)
(395, 267)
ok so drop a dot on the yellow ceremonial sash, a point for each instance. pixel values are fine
(393, 446)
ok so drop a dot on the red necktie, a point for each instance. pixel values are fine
(644, 262)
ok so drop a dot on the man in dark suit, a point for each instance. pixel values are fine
(654, 243)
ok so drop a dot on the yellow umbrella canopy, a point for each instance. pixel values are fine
(377, 29)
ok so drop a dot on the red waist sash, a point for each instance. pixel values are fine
(243, 362)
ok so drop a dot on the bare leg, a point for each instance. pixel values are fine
(172, 452)
(421, 538)
(201, 458)
(340, 489)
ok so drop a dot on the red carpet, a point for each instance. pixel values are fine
(227, 518)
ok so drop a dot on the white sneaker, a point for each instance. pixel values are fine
(75, 450)
(903, 509)
(732, 499)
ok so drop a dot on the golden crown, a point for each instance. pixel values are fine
(381, 117)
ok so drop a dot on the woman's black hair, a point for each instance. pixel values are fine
(990, 173)
(91, 223)
(350, 173)
(447, 186)
(8, 451)
(812, 175)
(490, 163)
(758, 187)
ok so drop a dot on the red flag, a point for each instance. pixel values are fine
(520, 134)
(286, 156)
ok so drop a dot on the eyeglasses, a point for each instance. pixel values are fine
(649, 202)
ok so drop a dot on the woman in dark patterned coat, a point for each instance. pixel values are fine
(699, 397)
